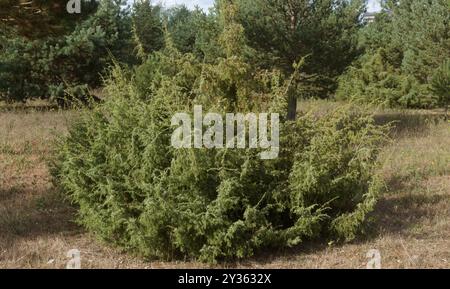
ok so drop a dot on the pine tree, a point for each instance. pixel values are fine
(414, 39)
(285, 31)
(42, 18)
(440, 85)
(49, 66)
(147, 27)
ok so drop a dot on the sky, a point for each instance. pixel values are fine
(374, 5)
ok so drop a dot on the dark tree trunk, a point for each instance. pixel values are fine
(292, 106)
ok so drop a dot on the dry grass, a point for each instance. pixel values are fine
(412, 227)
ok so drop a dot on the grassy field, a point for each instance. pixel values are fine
(411, 227)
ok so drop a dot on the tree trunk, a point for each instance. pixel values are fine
(292, 106)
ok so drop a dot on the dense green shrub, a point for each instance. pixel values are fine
(132, 188)
(373, 80)
(169, 62)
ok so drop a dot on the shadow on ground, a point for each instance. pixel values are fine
(27, 108)
(399, 210)
(26, 214)
(405, 123)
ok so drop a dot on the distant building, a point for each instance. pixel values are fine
(369, 17)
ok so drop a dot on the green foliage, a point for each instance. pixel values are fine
(375, 81)
(206, 41)
(404, 48)
(35, 68)
(182, 26)
(37, 19)
(134, 189)
(15, 75)
(147, 27)
(283, 32)
(44, 48)
(189, 30)
(440, 84)
(182, 68)
(337, 169)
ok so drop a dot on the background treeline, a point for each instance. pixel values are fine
(402, 59)
(406, 57)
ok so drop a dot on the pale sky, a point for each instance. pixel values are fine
(374, 5)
